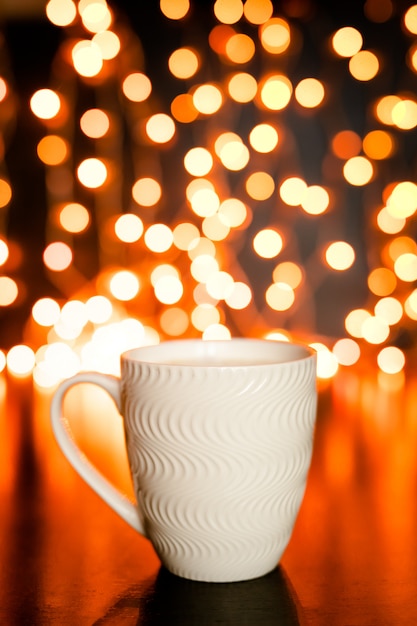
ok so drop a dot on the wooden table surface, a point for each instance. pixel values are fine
(66, 558)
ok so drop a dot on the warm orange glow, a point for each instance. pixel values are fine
(404, 114)
(146, 191)
(268, 243)
(203, 266)
(412, 58)
(405, 267)
(327, 363)
(8, 291)
(57, 256)
(364, 65)
(354, 322)
(174, 9)
(98, 309)
(4, 251)
(309, 93)
(263, 138)
(232, 152)
(198, 161)
(74, 217)
(232, 212)
(346, 351)
(61, 12)
(184, 62)
(46, 311)
(219, 285)
(375, 330)
(358, 171)
(95, 15)
(289, 273)
(52, 150)
(87, 58)
(204, 315)
(242, 87)
(159, 237)
(160, 128)
(275, 35)
(174, 321)
(240, 296)
(346, 144)
(378, 144)
(402, 201)
(5, 192)
(137, 87)
(260, 186)
(3, 89)
(240, 48)
(95, 123)
(347, 41)
(207, 99)
(388, 223)
(20, 360)
(197, 184)
(401, 245)
(280, 296)
(128, 227)
(201, 247)
(391, 360)
(410, 19)
(45, 104)
(216, 332)
(214, 228)
(124, 285)
(382, 281)
(276, 92)
(228, 11)
(293, 190)
(258, 11)
(315, 200)
(169, 289)
(410, 305)
(340, 255)
(390, 309)
(205, 202)
(219, 36)
(92, 173)
(109, 44)
(183, 109)
(184, 235)
(238, 162)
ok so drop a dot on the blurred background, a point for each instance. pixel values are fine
(207, 169)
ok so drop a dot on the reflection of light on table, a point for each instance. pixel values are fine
(51, 520)
(363, 528)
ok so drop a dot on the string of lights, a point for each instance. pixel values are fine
(235, 194)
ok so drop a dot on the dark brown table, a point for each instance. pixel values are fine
(66, 558)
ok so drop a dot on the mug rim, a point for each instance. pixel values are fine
(301, 352)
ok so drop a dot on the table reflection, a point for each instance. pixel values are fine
(68, 559)
(168, 599)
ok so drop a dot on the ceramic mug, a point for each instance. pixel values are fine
(219, 438)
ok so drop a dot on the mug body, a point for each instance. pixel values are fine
(219, 438)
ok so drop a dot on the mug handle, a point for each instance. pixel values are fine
(65, 439)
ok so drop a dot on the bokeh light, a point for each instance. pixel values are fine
(74, 217)
(232, 181)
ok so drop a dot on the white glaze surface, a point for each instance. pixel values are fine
(219, 455)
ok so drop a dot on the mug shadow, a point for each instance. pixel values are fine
(169, 599)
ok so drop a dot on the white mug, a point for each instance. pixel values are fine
(219, 437)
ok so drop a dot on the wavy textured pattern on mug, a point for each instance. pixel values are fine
(234, 454)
